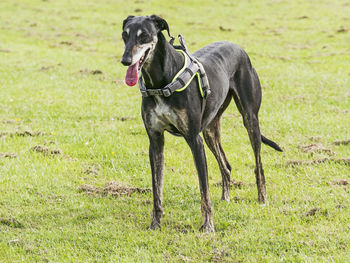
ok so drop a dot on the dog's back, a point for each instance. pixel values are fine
(224, 56)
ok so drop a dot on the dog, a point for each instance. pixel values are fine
(230, 75)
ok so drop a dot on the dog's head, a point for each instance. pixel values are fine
(140, 39)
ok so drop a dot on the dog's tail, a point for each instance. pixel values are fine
(271, 143)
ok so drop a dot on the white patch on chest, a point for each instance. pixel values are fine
(162, 109)
(164, 116)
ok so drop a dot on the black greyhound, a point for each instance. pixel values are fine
(230, 74)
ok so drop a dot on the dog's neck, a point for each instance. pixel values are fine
(165, 63)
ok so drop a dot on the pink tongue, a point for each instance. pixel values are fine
(132, 74)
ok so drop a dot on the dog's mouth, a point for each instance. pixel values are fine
(143, 58)
(132, 73)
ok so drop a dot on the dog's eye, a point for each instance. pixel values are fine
(144, 38)
(124, 35)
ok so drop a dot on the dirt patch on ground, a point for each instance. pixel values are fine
(312, 212)
(123, 118)
(46, 68)
(344, 142)
(316, 148)
(16, 121)
(30, 133)
(5, 50)
(8, 155)
(341, 182)
(49, 142)
(233, 184)
(91, 169)
(296, 162)
(302, 17)
(345, 161)
(22, 133)
(11, 222)
(46, 150)
(115, 189)
(342, 30)
(66, 43)
(225, 29)
(92, 72)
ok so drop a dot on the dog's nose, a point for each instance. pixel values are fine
(126, 61)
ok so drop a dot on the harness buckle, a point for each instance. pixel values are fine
(166, 92)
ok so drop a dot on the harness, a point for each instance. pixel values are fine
(192, 68)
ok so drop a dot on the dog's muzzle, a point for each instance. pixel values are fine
(126, 60)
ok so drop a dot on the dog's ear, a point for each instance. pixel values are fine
(127, 20)
(160, 23)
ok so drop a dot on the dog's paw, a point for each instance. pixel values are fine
(155, 224)
(225, 197)
(262, 199)
(207, 228)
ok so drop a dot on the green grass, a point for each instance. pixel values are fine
(48, 49)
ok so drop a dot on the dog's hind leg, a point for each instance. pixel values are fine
(196, 144)
(247, 95)
(212, 138)
(251, 123)
(156, 156)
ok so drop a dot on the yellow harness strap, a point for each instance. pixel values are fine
(182, 69)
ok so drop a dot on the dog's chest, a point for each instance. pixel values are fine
(164, 116)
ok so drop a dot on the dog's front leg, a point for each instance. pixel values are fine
(197, 148)
(156, 156)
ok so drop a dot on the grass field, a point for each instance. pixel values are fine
(69, 127)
